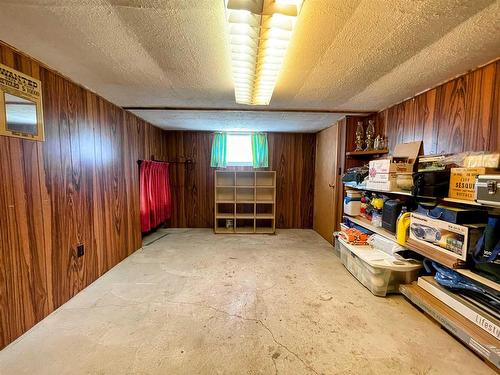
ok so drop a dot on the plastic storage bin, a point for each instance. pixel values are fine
(376, 270)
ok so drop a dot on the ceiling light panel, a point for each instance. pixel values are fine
(260, 32)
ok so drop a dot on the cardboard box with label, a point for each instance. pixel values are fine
(449, 238)
(463, 180)
(383, 172)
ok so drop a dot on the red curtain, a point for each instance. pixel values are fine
(156, 202)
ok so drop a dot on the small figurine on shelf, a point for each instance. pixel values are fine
(359, 136)
(376, 143)
(370, 133)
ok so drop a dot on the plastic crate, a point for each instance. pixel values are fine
(376, 270)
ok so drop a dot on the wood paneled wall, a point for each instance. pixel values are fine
(460, 115)
(80, 186)
(291, 155)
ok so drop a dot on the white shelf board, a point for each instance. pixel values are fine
(245, 216)
(224, 216)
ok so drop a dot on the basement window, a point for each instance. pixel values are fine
(239, 150)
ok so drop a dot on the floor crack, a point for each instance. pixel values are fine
(310, 368)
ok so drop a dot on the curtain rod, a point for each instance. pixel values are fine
(188, 161)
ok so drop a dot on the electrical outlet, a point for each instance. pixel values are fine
(80, 250)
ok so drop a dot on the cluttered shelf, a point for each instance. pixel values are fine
(422, 249)
(441, 258)
(360, 220)
(409, 194)
(442, 208)
(470, 179)
(469, 316)
(447, 204)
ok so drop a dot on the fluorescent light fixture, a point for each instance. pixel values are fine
(260, 32)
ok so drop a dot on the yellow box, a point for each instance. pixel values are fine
(463, 181)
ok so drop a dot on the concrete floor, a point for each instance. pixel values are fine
(197, 303)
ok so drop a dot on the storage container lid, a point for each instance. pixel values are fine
(378, 259)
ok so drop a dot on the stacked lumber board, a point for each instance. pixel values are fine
(473, 334)
(480, 315)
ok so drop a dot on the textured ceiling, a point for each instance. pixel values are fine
(345, 55)
(237, 120)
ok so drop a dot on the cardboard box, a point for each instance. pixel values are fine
(448, 238)
(402, 161)
(463, 181)
(383, 177)
(388, 185)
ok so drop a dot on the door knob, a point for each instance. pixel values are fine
(332, 186)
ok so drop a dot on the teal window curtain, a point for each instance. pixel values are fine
(260, 150)
(219, 147)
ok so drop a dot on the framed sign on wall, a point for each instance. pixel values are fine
(21, 113)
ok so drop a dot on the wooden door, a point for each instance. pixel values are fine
(326, 181)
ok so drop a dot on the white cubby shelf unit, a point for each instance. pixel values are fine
(245, 202)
